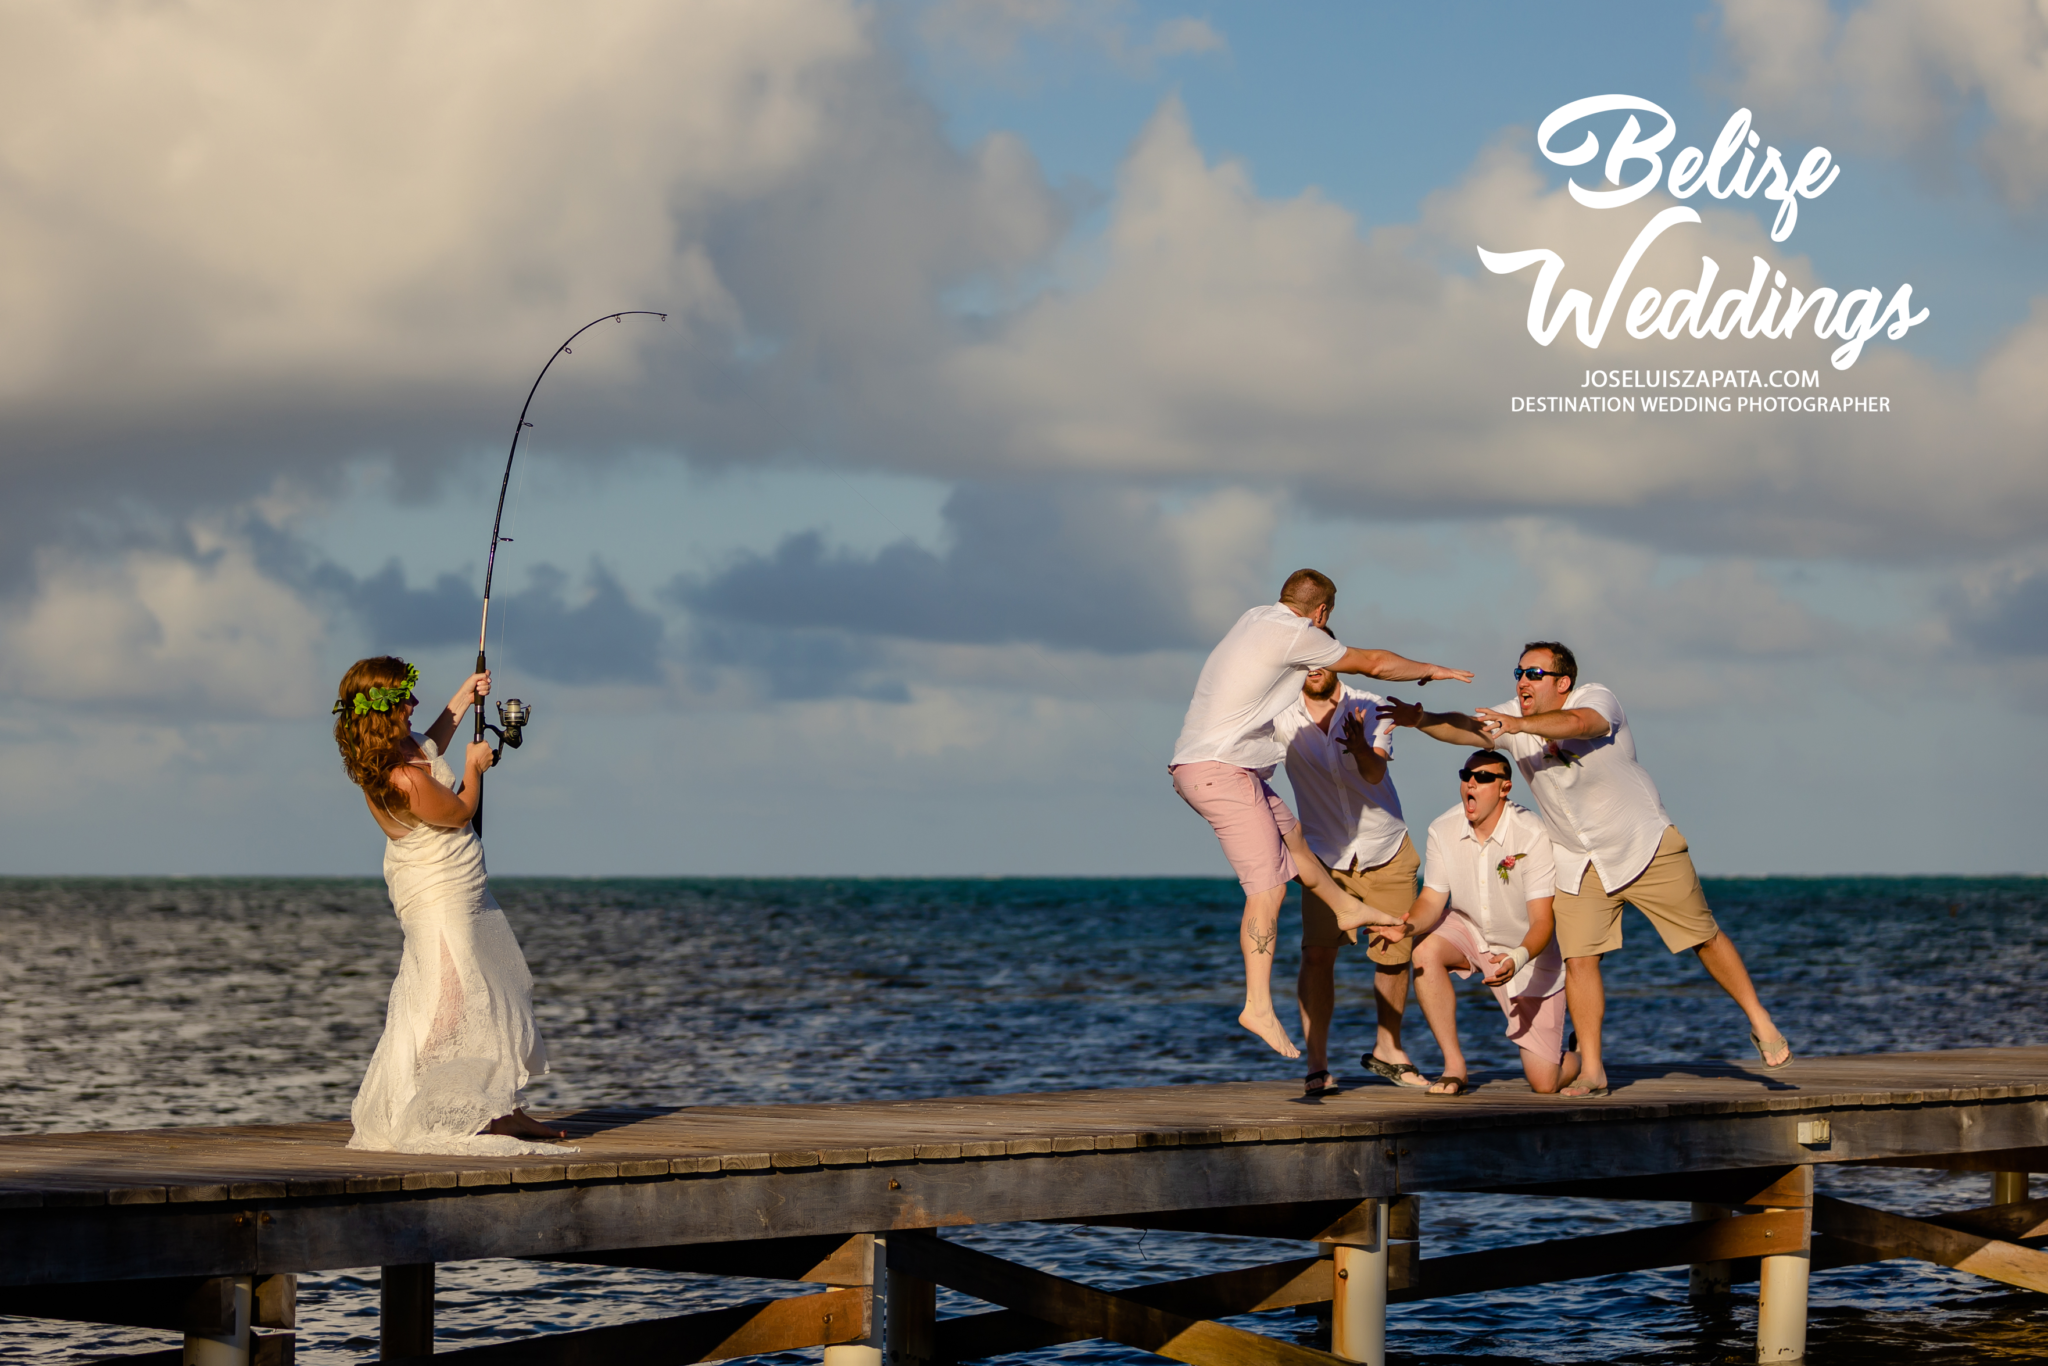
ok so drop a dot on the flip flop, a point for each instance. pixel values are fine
(1763, 1044)
(1319, 1083)
(1394, 1071)
(1590, 1093)
(1464, 1087)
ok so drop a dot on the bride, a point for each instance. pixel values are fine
(459, 1039)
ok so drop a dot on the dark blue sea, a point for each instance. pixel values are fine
(144, 1002)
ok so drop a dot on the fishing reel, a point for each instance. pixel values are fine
(512, 718)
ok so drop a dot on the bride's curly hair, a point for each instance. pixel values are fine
(372, 743)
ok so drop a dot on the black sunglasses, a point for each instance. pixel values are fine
(1539, 673)
(1484, 775)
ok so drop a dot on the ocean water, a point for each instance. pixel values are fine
(153, 1001)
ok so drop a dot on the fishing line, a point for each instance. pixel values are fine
(512, 519)
(510, 712)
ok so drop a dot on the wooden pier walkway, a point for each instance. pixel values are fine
(200, 1231)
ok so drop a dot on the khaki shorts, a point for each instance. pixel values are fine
(1389, 887)
(1668, 892)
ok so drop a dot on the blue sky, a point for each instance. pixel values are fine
(1015, 346)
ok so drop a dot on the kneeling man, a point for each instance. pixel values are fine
(1485, 907)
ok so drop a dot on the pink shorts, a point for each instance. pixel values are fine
(1247, 815)
(1536, 1023)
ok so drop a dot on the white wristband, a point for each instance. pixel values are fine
(1520, 953)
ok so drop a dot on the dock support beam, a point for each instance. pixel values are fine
(913, 1311)
(868, 1351)
(2008, 1188)
(405, 1325)
(1781, 1305)
(1709, 1279)
(232, 1347)
(1358, 1307)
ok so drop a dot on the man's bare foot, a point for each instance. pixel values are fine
(519, 1124)
(1268, 1027)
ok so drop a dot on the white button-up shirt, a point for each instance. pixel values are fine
(1343, 816)
(1248, 679)
(1599, 803)
(1491, 883)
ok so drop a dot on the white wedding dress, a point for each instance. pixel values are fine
(459, 1039)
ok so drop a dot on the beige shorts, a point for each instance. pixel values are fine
(1668, 892)
(1388, 887)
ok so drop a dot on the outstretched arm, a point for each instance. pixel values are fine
(1577, 723)
(1451, 727)
(1385, 664)
(1427, 910)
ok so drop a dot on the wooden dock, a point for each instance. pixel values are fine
(200, 1231)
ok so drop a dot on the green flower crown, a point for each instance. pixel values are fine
(381, 699)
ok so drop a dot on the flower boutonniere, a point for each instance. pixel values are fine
(1507, 865)
(1559, 754)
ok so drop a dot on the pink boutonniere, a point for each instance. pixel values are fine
(1507, 865)
(1559, 753)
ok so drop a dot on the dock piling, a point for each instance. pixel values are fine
(2008, 1188)
(1781, 1301)
(1708, 1280)
(405, 1325)
(229, 1348)
(869, 1350)
(911, 1315)
(1358, 1310)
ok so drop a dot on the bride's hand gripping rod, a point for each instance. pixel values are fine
(498, 522)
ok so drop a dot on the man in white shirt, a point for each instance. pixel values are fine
(1611, 838)
(1227, 750)
(1485, 907)
(1338, 740)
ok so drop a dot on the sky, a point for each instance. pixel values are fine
(1013, 349)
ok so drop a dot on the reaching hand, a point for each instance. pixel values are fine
(1403, 713)
(1438, 672)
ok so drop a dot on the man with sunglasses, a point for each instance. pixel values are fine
(1337, 739)
(1227, 750)
(1485, 907)
(1610, 836)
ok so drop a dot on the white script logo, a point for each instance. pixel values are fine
(1854, 317)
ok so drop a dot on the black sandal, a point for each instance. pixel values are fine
(1464, 1087)
(1394, 1071)
(1319, 1083)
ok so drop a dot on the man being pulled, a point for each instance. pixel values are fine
(1610, 836)
(1227, 750)
(1337, 739)
(1485, 907)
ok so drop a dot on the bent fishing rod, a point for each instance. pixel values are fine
(512, 713)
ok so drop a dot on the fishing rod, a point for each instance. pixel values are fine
(512, 713)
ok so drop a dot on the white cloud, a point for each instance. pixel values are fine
(1908, 76)
(205, 634)
(1219, 334)
(235, 243)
